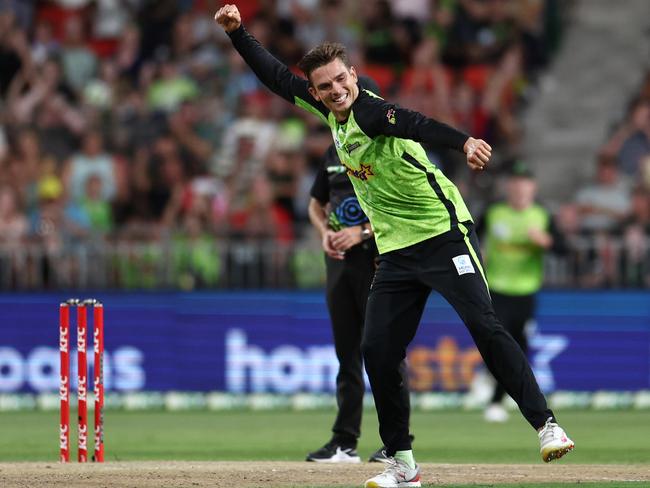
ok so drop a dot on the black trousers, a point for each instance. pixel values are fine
(514, 311)
(402, 284)
(348, 285)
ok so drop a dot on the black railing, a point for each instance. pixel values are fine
(219, 263)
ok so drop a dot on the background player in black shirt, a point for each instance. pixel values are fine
(350, 253)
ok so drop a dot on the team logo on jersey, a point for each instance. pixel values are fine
(351, 147)
(363, 173)
(347, 214)
(390, 116)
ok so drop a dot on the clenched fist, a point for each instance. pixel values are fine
(228, 17)
(478, 153)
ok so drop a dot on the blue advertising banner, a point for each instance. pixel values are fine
(280, 342)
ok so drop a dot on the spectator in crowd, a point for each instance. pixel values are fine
(171, 88)
(101, 92)
(96, 208)
(49, 182)
(192, 131)
(14, 229)
(604, 203)
(637, 144)
(168, 176)
(22, 12)
(255, 221)
(602, 206)
(197, 261)
(35, 86)
(79, 63)
(13, 224)
(252, 125)
(324, 24)
(14, 50)
(128, 58)
(259, 217)
(635, 256)
(381, 45)
(630, 142)
(59, 227)
(25, 166)
(43, 98)
(281, 165)
(44, 46)
(155, 19)
(481, 33)
(426, 85)
(91, 160)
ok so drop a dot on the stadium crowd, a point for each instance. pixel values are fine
(610, 215)
(135, 122)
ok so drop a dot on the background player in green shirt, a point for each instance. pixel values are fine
(424, 234)
(516, 234)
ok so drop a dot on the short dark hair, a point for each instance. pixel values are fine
(321, 55)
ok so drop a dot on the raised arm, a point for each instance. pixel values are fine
(273, 73)
(377, 117)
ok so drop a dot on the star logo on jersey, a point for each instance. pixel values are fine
(363, 173)
(390, 116)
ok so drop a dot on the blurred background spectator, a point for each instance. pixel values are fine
(132, 129)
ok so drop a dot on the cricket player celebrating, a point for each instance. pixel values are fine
(424, 234)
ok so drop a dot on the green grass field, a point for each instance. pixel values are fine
(441, 437)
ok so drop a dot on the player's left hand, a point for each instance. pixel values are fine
(540, 238)
(478, 153)
(345, 238)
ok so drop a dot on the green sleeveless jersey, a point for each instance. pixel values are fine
(514, 264)
(405, 196)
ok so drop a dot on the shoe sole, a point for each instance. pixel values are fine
(557, 453)
(408, 484)
(350, 460)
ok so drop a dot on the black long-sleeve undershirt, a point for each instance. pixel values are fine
(375, 116)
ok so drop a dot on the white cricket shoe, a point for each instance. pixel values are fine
(397, 474)
(495, 413)
(553, 441)
(334, 453)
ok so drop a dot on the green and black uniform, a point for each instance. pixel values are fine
(425, 238)
(515, 265)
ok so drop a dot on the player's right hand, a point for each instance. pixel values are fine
(329, 249)
(228, 17)
(478, 153)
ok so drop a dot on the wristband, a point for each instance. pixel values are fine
(366, 233)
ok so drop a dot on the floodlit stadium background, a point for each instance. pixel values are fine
(192, 228)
